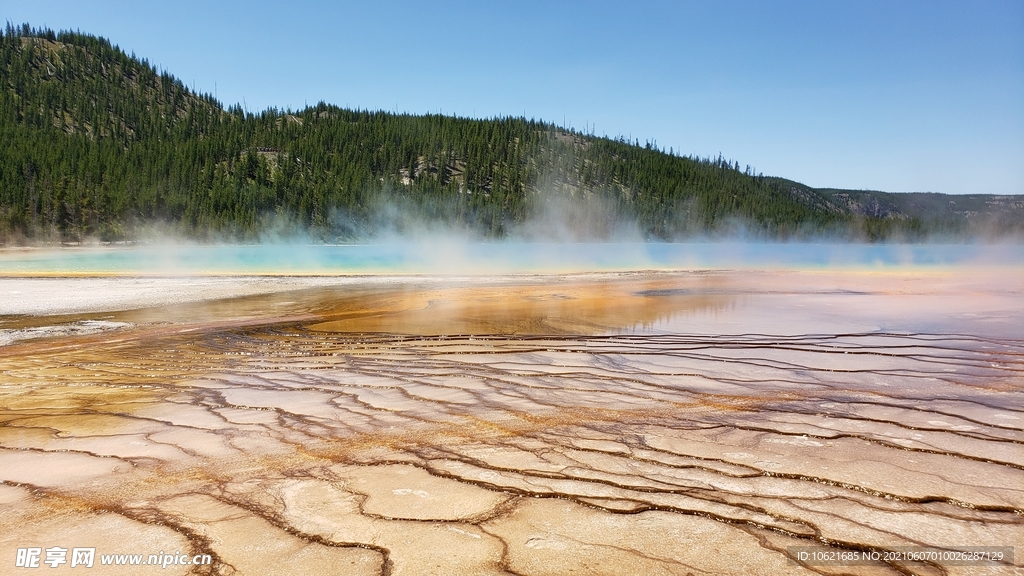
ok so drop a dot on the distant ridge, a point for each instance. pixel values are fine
(98, 145)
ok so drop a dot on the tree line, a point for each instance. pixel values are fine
(99, 144)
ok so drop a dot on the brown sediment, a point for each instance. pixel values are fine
(647, 424)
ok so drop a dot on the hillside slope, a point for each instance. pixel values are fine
(98, 144)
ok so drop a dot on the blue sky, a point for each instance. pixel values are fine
(864, 94)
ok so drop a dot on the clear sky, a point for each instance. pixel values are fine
(886, 95)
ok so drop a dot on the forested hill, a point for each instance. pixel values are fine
(96, 144)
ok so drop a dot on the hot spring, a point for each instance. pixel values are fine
(447, 408)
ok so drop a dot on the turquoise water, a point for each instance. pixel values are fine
(447, 257)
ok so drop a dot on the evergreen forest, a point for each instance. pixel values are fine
(98, 145)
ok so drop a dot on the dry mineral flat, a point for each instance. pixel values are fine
(634, 423)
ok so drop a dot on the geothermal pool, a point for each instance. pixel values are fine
(446, 255)
(660, 422)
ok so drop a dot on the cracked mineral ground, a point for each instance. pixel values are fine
(633, 423)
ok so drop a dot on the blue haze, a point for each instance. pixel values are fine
(473, 258)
